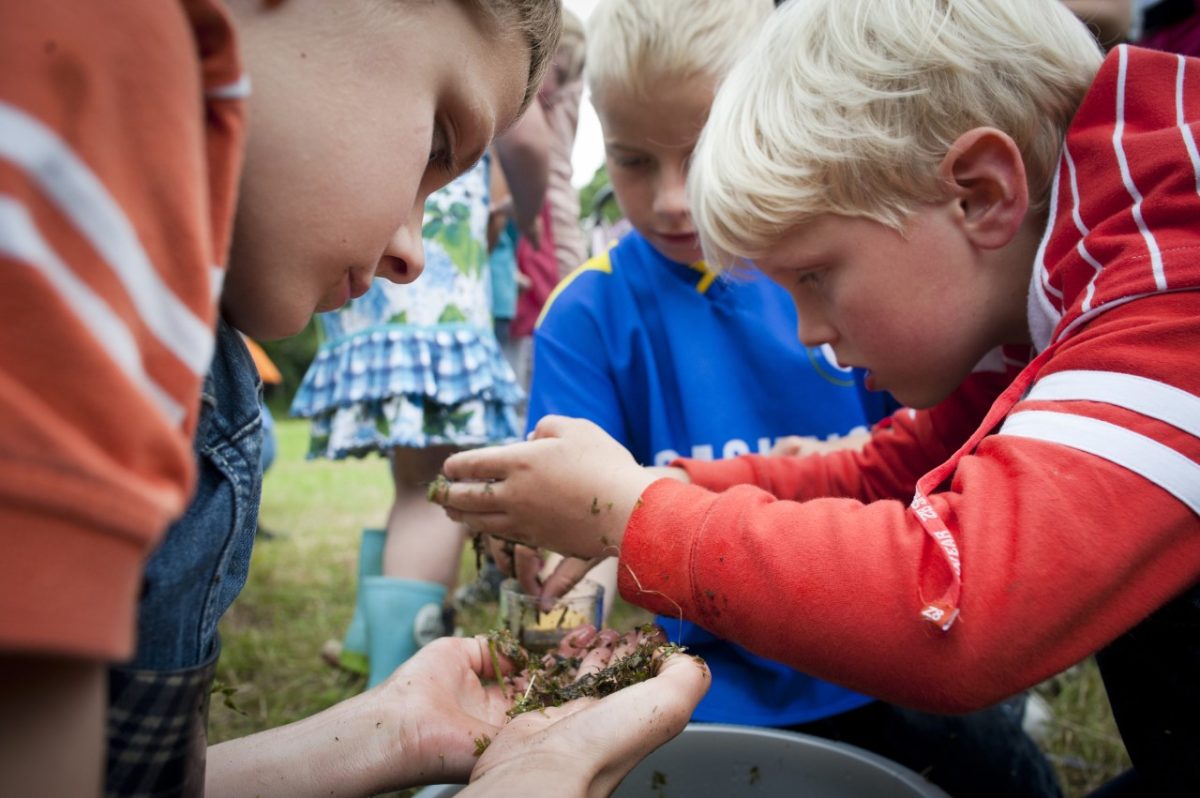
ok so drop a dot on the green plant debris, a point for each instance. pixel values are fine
(658, 782)
(755, 775)
(477, 546)
(481, 744)
(226, 692)
(595, 506)
(552, 679)
(438, 490)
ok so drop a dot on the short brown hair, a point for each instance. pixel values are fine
(538, 22)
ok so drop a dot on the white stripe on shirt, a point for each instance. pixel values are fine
(1083, 232)
(1151, 398)
(1156, 264)
(78, 193)
(1185, 129)
(1160, 464)
(21, 241)
(237, 90)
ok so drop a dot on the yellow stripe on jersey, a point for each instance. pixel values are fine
(707, 280)
(600, 263)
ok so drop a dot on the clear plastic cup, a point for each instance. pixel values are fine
(541, 630)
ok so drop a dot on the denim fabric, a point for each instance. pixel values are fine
(201, 566)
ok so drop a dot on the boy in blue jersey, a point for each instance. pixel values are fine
(646, 343)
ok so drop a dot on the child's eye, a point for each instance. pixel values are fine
(441, 157)
(808, 278)
(632, 162)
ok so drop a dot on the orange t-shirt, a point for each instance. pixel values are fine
(121, 137)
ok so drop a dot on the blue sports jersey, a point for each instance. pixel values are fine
(673, 361)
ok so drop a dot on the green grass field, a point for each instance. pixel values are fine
(301, 593)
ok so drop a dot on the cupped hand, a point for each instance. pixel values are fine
(571, 489)
(585, 747)
(441, 705)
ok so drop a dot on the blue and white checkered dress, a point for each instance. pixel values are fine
(417, 365)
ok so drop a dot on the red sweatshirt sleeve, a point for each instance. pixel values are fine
(1062, 550)
(115, 195)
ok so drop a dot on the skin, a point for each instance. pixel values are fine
(918, 309)
(538, 753)
(348, 134)
(648, 141)
(333, 195)
(420, 727)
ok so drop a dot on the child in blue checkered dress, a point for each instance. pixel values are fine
(414, 374)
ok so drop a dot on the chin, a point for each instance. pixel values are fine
(264, 327)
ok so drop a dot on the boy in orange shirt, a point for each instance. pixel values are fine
(122, 130)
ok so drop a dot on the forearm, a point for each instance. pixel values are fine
(344, 750)
(846, 580)
(51, 726)
(900, 450)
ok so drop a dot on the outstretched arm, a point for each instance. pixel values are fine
(417, 727)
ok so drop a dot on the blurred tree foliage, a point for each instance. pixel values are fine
(598, 188)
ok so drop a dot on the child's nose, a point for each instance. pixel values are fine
(671, 198)
(404, 259)
(813, 330)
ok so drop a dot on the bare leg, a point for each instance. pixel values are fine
(422, 543)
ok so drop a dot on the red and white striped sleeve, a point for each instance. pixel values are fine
(115, 192)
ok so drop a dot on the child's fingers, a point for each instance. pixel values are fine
(500, 524)
(600, 655)
(527, 565)
(553, 426)
(564, 577)
(479, 465)
(575, 643)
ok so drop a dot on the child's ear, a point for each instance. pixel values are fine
(986, 174)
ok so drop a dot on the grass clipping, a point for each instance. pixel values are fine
(551, 678)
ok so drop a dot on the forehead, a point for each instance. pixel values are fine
(490, 69)
(668, 113)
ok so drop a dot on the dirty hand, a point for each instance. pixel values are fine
(526, 566)
(570, 489)
(440, 705)
(586, 746)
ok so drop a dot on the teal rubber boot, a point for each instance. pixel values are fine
(353, 655)
(402, 615)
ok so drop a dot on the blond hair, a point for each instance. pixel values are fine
(632, 44)
(849, 106)
(538, 23)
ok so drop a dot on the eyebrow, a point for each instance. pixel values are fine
(478, 119)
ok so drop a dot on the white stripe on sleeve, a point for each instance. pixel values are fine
(237, 90)
(1162, 465)
(79, 194)
(1151, 398)
(21, 241)
(1156, 264)
(1185, 129)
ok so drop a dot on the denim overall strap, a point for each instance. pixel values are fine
(202, 563)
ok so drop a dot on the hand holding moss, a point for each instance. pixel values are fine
(571, 489)
(638, 693)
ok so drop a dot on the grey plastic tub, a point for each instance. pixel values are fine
(710, 759)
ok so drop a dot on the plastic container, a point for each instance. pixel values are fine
(721, 761)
